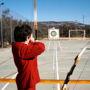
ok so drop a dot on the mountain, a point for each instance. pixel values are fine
(56, 24)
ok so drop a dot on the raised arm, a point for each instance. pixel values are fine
(32, 50)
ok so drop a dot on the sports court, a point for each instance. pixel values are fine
(54, 63)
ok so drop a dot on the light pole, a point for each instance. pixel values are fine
(1, 26)
(35, 20)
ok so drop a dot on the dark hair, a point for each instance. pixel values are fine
(21, 32)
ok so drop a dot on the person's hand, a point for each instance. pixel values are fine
(32, 39)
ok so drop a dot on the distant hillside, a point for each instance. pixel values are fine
(63, 27)
(56, 24)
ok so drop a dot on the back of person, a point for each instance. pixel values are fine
(25, 52)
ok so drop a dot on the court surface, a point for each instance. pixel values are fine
(54, 63)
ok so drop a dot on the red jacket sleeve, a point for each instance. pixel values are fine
(32, 50)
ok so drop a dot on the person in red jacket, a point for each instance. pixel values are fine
(25, 51)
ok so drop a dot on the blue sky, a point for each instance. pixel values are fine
(52, 10)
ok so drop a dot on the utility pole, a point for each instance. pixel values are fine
(35, 20)
(1, 4)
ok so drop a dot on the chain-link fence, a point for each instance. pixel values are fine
(8, 21)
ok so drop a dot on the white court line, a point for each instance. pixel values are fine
(53, 58)
(4, 87)
(60, 45)
(82, 52)
(57, 70)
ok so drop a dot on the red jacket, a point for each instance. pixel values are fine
(25, 58)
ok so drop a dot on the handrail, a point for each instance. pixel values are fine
(48, 81)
